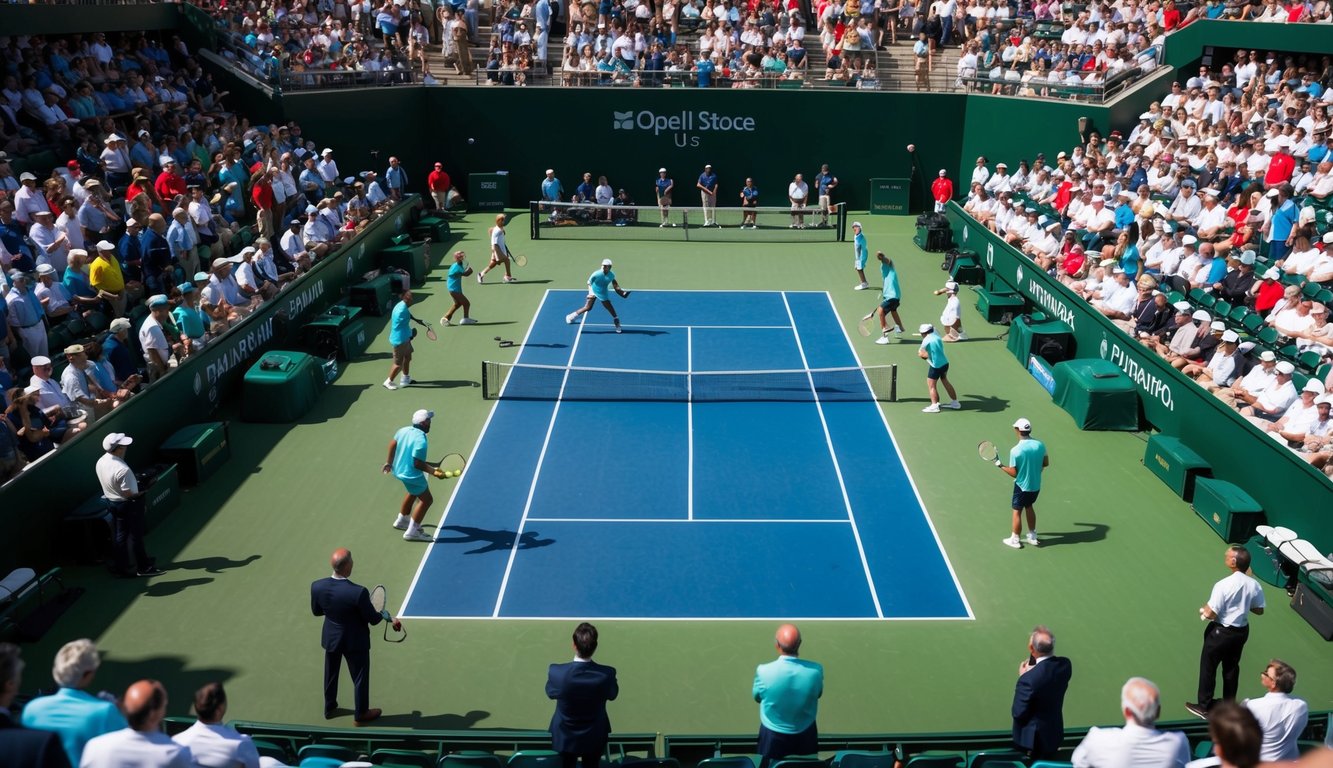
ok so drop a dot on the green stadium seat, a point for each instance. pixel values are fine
(994, 757)
(1325, 296)
(1202, 298)
(1174, 297)
(1203, 749)
(928, 760)
(332, 751)
(1221, 309)
(470, 759)
(1051, 764)
(534, 758)
(864, 760)
(1289, 351)
(321, 762)
(403, 758)
(1311, 290)
(800, 762)
(1268, 335)
(1322, 371)
(1252, 322)
(1309, 360)
(272, 749)
(729, 761)
(650, 762)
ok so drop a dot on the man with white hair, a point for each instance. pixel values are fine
(54, 296)
(1139, 744)
(52, 244)
(75, 715)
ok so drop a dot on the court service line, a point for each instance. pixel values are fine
(837, 469)
(678, 520)
(536, 474)
(765, 619)
(689, 423)
(448, 505)
(906, 471)
(687, 327)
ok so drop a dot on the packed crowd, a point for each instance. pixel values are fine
(165, 221)
(1206, 232)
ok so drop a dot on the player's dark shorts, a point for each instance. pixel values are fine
(889, 305)
(1023, 498)
(402, 353)
(934, 373)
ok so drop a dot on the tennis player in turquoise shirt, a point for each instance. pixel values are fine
(600, 285)
(454, 282)
(859, 256)
(890, 297)
(1026, 461)
(937, 370)
(407, 462)
(400, 338)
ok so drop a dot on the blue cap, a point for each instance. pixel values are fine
(186, 287)
(158, 300)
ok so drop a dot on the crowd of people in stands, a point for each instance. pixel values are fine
(1206, 232)
(163, 221)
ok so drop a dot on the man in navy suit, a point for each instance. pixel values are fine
(581, 688)
(1039, 697)
(21, 747)
(348, 617)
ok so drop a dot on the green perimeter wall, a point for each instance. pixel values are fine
(1185, 47)
(32, 506)
(1292, 493)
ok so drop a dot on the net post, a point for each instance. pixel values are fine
(685, 223)
(534, 221)
(485, 380)
(842, 226)
(893, 383)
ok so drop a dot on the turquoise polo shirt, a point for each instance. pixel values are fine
(788, 692)
(890, 275)
(411, 446)
(400, 328)
(934, 347)
(599, 284)
(1027, 457)
(455, 278)
(73, 715)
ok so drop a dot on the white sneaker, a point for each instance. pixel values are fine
(444, 321)
(962, 336)
(882, 340)
(467, 321)
(1032, 539)
(860, 286)
(511, 279)
(1012, 541)
(403, 382)
(417, 535)
(401, 523)
(898, 331)
(954, 405)
(570, 317)
(662, 225)
(617, 326)
(480, 278)
(932, 408)
(388, 384)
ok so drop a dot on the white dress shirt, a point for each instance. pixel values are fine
(1133, 746)
(1282, 716)
(213, 745)
(128, 747)
(1233, 597)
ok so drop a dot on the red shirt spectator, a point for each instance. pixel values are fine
(262, 194)
(169, 185)
(135, 189)
(438, 180)
(1270, 293)
(1280, 168)
(1170, 17)
(942, 189)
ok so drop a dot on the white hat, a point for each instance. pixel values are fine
(1183, 307)
(942, 173)
(606, 262)
(245, 250)
(327, 151)
(856, 224)
(1247, 257)
(1324, 400)
(1023, 425)
(550, 171)
(1272, 274)
(114, 440)
(1230, 336)
(142, 133)
(120, 324)
(158, 300)
(1286, 367)
(105, 245)
(131, 222)
(1313, 385)
(1189, 240)
(1218, 325)
(951, 286)
(200, 276)
(1328, 237)
(40, 360)
(1199, 314)
(165, 159)
(925, 329)
(661, 170)
(1267, 356)
(45, 269)
(422, 416)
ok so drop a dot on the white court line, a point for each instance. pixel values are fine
(678, 520)
(828, 440)
(902, 460)
(536, 474)
(767, 619)
(712, 327)
(689, 423)
(480, 436)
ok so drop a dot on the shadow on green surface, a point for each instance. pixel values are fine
(444, 721)
(1093, 532)
(494, 541)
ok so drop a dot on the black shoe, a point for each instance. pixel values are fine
(1198, 710)
(151, 570)
(331, 712)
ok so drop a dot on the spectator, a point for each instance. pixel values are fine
(71, 713)
(24, 311)
(118, 354)
(1138, 744)
(212, 744)
(396, 179)
(142, 743)
(157, 351)
(1236, 734)
(81, 388)
(581, 689)
(22, 747)
(1280, 715)
(788, 692)
(1039, 695)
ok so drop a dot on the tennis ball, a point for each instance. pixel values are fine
(471, 140)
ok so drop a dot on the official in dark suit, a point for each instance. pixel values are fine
(1039, 697)
(348, 617)
(581, 688)
(21, 747)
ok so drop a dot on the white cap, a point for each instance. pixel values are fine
(951, 286)
(105, 245)
(606, 262)
(856, 224)
(1247, 257)
(327, 151)
(1218, 325)
(1267, 356)
(1199, 314)
(422, 416)
(1324, 400)
(165, 159)
(1313, 385)
(661, 170)
(45, 269)
(1272, 274)
(550, 171)
(115, 440)
(40, 360)
(1286, 367)
(1182, 307)
(1189, 240)
(1023, 425)
(942, 173)
(1230, 336)
(925, 329)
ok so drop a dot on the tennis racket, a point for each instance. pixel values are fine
(452, 465)
(517, 258)
(624, 294)
(865, 326)
(988, 452)
(378, 599)
(430, 332)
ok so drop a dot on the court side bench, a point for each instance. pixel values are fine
(21, 587)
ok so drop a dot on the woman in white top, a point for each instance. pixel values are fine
(499, 251)
(604, 196)
(951, 318)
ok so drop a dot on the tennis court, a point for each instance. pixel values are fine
(688, 496)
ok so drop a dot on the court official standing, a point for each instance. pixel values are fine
(120, 489)
(348, 617)
(1227, 612)
(581, 688)
(788, 692)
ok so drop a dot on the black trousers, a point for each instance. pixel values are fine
(571, 759)
(128, 552)
(1221, 645)
(358, 666)
(774, 746)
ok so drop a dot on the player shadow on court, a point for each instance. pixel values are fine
(212, 564)
(493, 541)
(626, 330)
(975, 403)
(443, 383)
(445, 721)
(1092, 532)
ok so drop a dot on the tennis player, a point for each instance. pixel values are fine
(932, 351)
(600, 284)
(400, 337)
(890, 297)
(499, 251)
(407, 462)
(951, 319)
(1026, 461)
(859, 255)
(454, 282)
(662, 187)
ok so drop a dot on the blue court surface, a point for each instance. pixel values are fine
(587, 509)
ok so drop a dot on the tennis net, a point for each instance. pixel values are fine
(584, 221)
(520, 381)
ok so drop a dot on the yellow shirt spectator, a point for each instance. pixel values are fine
(104, 273)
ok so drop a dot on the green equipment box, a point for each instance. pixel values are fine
(999, 308)
(966, 271)
(432, 227)
(1175, 464)
(163, 496)
(412, 259)
(197, 451)
(336, 334)
(375, 297)
(487, 191)
(1028, 335)
(1229, 511)
(1097, 394)
(281, 387)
